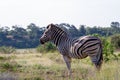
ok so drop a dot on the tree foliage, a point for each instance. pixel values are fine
(82, 30)
(20, 37)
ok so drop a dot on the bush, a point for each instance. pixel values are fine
(7, 50)
(115, 40)
(12, 66)
(108, 48)
(48, 47)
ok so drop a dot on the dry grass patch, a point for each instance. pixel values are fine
(50, 66)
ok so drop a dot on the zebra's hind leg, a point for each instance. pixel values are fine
(97, 62)
(68, 64)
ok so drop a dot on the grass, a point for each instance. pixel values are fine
(28, 65)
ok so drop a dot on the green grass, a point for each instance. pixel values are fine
(50, 66)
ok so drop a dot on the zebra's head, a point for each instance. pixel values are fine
(47, 34)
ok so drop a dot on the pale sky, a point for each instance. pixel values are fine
(44, 12)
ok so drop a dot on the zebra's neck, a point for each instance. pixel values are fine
(58, 37)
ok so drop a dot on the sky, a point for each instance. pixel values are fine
(44, 12)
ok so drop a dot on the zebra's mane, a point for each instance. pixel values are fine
(55, 27)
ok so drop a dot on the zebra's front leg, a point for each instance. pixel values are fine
(68, 63)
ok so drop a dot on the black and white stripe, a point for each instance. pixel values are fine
(74, 48)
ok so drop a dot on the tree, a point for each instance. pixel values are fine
(3, 34)
(82, 30)
(70, 29)
(34, 31)
(18, 31)
(115, 24)
(73, 31)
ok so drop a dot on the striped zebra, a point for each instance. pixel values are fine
(74, 48)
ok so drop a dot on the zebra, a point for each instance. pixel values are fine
(74, 48)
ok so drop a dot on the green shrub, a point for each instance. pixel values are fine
(2, 58)
(7, 50)
(12, 66)
(115, 40)
(108, 48)
(48, 47)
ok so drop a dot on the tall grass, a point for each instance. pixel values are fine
(7, 50)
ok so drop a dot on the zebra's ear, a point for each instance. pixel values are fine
(51, 25)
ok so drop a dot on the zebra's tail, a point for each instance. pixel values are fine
(100, 59)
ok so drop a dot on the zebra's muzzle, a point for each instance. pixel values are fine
(41, 41)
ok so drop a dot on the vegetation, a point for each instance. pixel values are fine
(115, 40)
(37, 66)
(7, 50)
(107, 44)
(19, 37)
(44, 62)
(48, 47)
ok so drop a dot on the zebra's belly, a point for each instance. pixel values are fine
(75, 52)
(78, 55)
